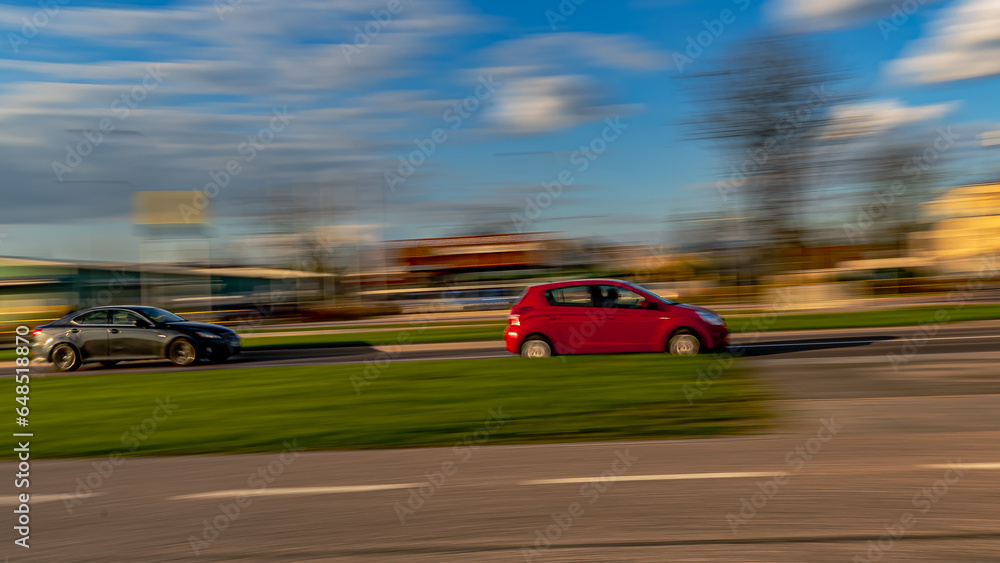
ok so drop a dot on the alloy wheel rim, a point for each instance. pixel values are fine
(685, 345)
(64, 358)
(535, 350)
(183, 353)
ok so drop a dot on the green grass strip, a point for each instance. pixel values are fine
(405, 404)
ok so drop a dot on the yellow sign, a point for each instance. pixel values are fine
(169, 208)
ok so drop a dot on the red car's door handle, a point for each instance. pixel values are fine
(552, 318)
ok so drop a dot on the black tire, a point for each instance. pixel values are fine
(65, 358)
(109, 363)
(536, 347)
(182, 352)
(684, 343)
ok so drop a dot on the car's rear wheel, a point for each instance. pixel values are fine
(65, 358)
(684, 343)
(182, 352)
(536, 347)
(110, 363)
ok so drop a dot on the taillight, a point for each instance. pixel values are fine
(514, 319)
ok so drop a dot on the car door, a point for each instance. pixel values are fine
(133, 337)
(89, 333)
(571, 319)
(631, 324)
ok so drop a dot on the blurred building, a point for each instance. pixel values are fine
(966, 227)
(33, 288)
(436, 259)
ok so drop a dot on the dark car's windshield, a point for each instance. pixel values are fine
(159, 315)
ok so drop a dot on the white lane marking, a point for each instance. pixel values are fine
(13, 500)
(274, 491)
(669, 477)
(781, 344)
(959, 465)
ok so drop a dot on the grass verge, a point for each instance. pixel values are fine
(359, 327)
(413, 335)
(407, 404)
(910, 316)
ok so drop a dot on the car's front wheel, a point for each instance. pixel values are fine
(684, 343)
(536, 347)
(182, 352)
(65, 358)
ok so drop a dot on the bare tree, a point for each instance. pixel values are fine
(894, 190)
(766, 105)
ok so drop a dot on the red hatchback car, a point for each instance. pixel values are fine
(608, 316)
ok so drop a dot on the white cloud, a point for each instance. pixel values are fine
(225, 75)
(873, 118)
(825, 15)
(224, 78)
(540, 95)
(548, 103)
(555, 50)
(964, 43)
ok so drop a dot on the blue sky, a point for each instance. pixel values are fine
(199, 78)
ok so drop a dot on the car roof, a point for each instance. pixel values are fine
(104, 308)
(569, 283)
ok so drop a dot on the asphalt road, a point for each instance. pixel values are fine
(867, 461)
(658, 501)
(819, 345)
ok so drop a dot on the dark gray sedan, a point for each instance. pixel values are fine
(112, 334)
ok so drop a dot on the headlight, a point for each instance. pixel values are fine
(711, 318)
(209, 335)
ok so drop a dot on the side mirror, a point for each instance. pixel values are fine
(141, 324)
(643, 304)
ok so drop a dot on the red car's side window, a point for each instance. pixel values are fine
(575, 296)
